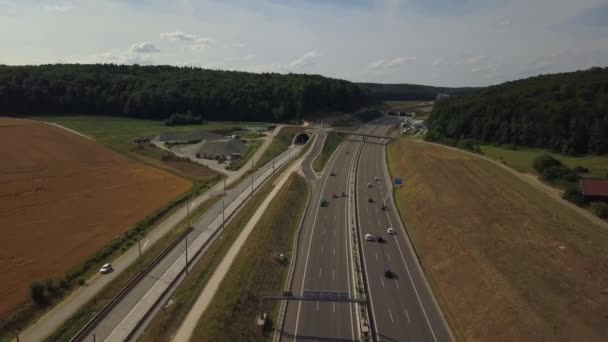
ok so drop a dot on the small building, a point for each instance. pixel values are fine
(594, 189)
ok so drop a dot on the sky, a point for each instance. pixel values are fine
(434, 42)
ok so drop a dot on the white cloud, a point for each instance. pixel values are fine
(305, 60)
(390, 64)
(58, 6)
(145, 47)
(179, 36)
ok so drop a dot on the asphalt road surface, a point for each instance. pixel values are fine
(324, 262)
(402, 305)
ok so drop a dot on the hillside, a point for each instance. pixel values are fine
(156, 92)
(411, 92)
(567, 113)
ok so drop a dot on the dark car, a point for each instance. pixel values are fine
(388, 273)
(370, 200)
(332, 173)
(343, 194)
(380, 239)
(335, 195)
(324, 202)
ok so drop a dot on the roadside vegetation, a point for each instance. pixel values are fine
(332, 142)
(257, 269)
(280, 143)
(252, 146)
(504, 261)
(170, 317)
(70, 327)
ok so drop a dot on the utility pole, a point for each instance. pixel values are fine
(187, 253)
(224, 186)
(188, 212)
(223, 216)
(139, 246)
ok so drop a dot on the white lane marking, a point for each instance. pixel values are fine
(389, 257)
(377, 257)
(334, 250)
(408, 317)
(323, 230)
(295, 338)
(397, 283)
(333, 274)
(382, 280)
(317, 305)
(321, 249)
(320, 272)
(145, 244)
(390, 315)
(335, 218)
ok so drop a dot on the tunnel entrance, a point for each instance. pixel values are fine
(301, 139)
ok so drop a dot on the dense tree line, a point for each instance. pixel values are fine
(567, 113)
(411, 92)
(157, 92)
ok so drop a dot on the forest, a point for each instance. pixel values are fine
(566, 113)
(157, 92)
(411, 92)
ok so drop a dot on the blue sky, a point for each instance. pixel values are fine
(438, 42)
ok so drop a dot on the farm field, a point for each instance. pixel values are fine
(506, 263)
(62, 198)
(522, 158)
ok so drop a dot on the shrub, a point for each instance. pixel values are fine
(573, 195)
(179, 119)
(581, 169)
(571, 177)
(38, 293)
(554, 172)
(81, 281)
(600, 209)
(545, 161)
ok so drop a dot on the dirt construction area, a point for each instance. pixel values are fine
(506, 262)
(62, 198)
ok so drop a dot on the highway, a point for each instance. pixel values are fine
(324, 262)
(402, 306)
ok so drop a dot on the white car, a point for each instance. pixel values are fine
(106, 268)
(369, 237)
(370, 185)
(390, 230)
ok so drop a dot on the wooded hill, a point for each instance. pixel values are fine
(567, 113)
(411, 92)
(157, 92)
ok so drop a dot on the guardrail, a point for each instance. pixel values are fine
(101, 314)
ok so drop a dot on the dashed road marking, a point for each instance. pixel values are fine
(320, 271)
(408, 317)
(390, 315)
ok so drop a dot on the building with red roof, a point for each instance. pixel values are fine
(594, 189)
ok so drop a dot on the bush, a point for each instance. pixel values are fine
(581, 169)
(179, 119)
(554, 172)
(572, 194)
(38, 293)
(545, 161)
(572, 177)
(600, 209)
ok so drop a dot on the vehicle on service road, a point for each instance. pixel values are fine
(106, 268)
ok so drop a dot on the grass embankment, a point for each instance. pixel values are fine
(521, 159)
(77, 321)
(279, 144)
(168, 319)
(505, 262)
(256, 270)
(252, 146)
(331, 143)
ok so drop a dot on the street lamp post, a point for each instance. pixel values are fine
(186, 253)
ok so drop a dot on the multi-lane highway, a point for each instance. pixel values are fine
(324, 260)
(403, 308)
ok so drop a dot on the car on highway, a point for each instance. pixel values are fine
(380, 239)
(335, 195)
(324, 202)
(343, 194)
(377, 178)
(370, 185)
(390, 230)
(347, 152)
(332, 173)
(384, 207)
(370, 200)
(388, 273)
(106, 268)
(369, 237)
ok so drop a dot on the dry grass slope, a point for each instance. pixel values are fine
(506, 262)
(63, 197)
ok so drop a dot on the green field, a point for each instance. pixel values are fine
(521, 159)
(118, 133)
(256, 270)
(331, 143)
(405, 105)
(252, 146)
